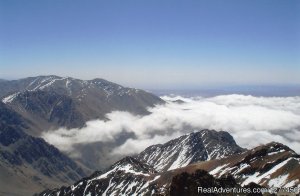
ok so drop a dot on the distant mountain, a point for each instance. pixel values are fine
(29, 164)
(46, 109)
(271, 165)
(194, 147)
(52, 101)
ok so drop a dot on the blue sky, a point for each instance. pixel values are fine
(153, 43)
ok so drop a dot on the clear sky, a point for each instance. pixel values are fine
(153, 43)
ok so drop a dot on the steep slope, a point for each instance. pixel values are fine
(271, 165)
(198, 146)
(29, 164)
(131, 183)
(128, 176)
(70, 102)
(46, 110)
(187, 184)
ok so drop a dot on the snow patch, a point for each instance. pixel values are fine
(258, 177)
(291, 183)
(10, 98)
(279, 181)
(218, 169)
(276, 152)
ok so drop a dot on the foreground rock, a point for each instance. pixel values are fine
(270, 165)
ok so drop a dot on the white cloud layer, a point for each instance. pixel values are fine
(251, 121)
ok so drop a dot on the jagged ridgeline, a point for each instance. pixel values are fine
(52, 101)
(209, 164)
(198, 146)
(30, 165)
(32, 105)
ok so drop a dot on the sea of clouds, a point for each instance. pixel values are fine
(250, 120)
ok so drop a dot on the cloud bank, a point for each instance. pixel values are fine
(251, 121)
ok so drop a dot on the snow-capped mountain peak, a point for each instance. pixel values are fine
(190, 148)
(271, 165)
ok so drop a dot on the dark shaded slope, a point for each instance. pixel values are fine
(29, 164)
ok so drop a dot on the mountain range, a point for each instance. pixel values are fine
(28, 164)
(270, 165)
(50, 102)
(33, 105)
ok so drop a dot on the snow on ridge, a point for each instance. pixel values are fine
(276, 152)
(73, 187)
(10, 98)
(129, 169)
(52, 81)
(68, 85)
(279, 181)
(182, 159)
(68, 82)
(180, 155)
(125, 168)
(47, 85)
(218, 169)
(41, 83)
(291, 183)
(258, 177)
(31, 83)
(44, 82)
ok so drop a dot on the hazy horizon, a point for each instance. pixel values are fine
(267, 90)
(170, 44)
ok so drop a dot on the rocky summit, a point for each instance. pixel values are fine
(190, 148)
(270, 165)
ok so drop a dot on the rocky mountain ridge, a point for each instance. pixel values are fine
(50, 102)
(190, 148)
(270, 165)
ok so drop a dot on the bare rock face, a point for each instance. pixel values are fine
(52, 102)
(194, 147)
(270, 165)
(126, 177)
(28, 161)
